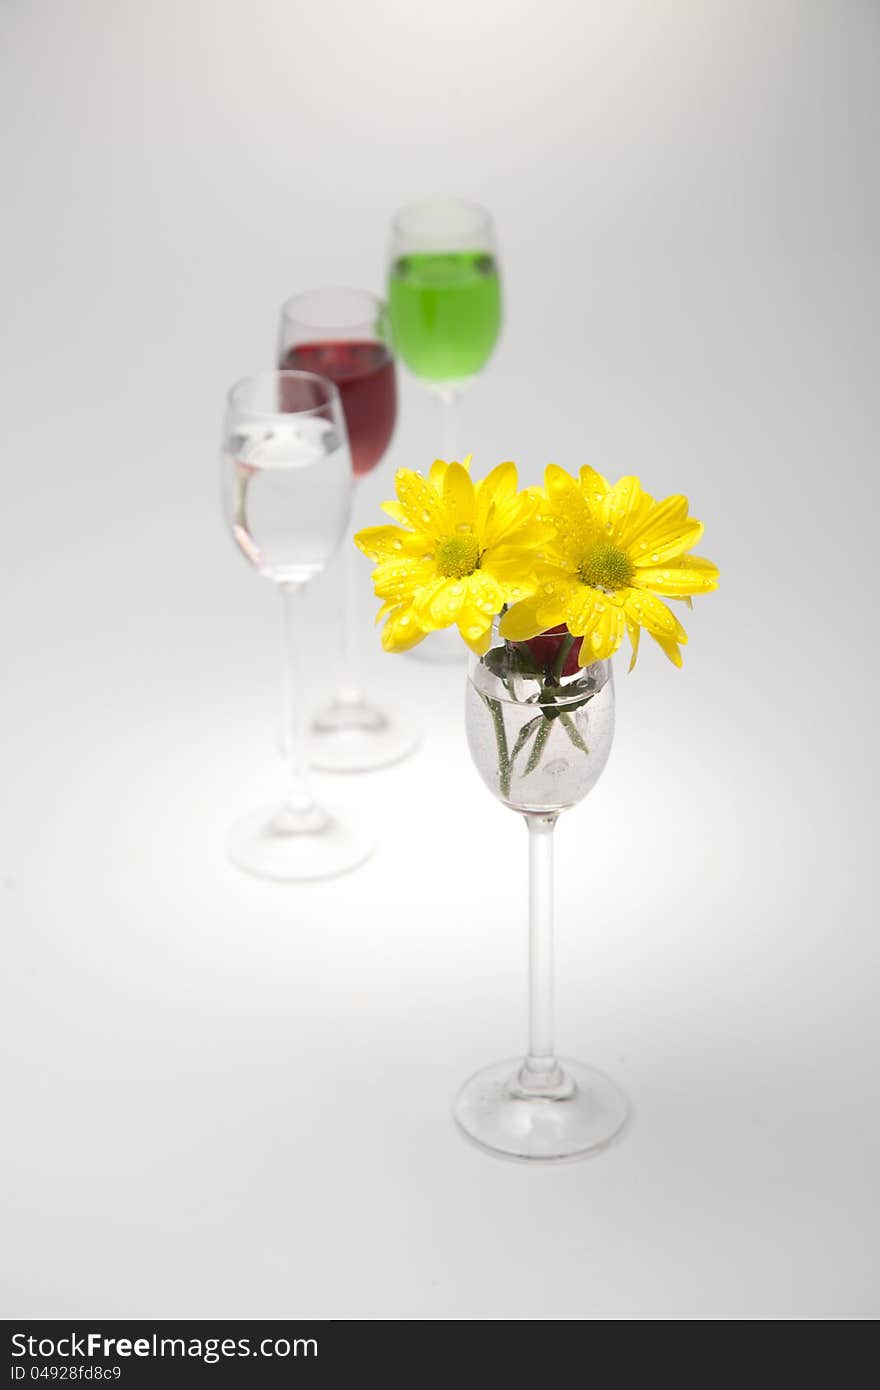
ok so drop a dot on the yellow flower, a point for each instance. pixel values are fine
(614, 550)
(462, 552)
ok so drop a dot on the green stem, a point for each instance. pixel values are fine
(538, 746)
(573, 732)
(565, 647)
(504, 768)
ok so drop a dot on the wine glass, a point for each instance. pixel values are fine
(444, 296)
(286, 489)
(343, 335)
(539, 730)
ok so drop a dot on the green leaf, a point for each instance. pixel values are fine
(510, 660)
(538, 746)
(504, 767)
(524, 735)
(573, 732)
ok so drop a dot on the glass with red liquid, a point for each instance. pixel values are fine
(342, 335)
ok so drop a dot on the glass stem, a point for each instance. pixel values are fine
(351, 687)
(447, 398)
(541, 1066)
(299, 797)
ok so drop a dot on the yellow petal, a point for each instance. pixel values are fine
(499, 485)
(658, 550)
(593, 486)
(496, 490)
(422, 504)
(399, 579)
(476, 630)
(649, 612)
(559, 484)
(394, 510)
(663, 533)
(670, 647)
(458, 496)
(606, 631)
(689, 574)
(507, 522)
(514, 568)
(484, 593)
(576, 527)
(436, 474)
(385, 542)
(401, 630)
(584, 607)
(619, 504)
(635, 633)
(531, 616)
(439, 603)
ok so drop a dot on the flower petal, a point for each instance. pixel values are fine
(439, 603)
(559, 484)
(647, 610)
(458, 496)
(528, 618)
(401, 630)
(664, 532)
(605, 633)
(575, 526)
(621, 504)
(499, 485)
(584, 607)
(386, 542)
(394, 510)
(658, 549)
(514, 569)
(400, 579)
(422, 505)
(476, 630)
(634, 632)
(670, 647)
(690, 574)
(436, 474)
(484, 593)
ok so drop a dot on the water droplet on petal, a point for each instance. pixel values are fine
(426, 517)
(463, 526)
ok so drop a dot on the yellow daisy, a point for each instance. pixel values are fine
(614, 550)
(463, 550)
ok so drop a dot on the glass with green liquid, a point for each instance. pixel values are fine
(445, 312)
(444, 301)
(444, 298)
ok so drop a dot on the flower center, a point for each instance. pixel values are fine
(606, 567)
(458, 556)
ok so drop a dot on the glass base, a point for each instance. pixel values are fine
(566, 1114)
(353, 736)
(291, 846)
(444, 647)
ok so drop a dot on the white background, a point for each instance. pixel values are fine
(231, 1098)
